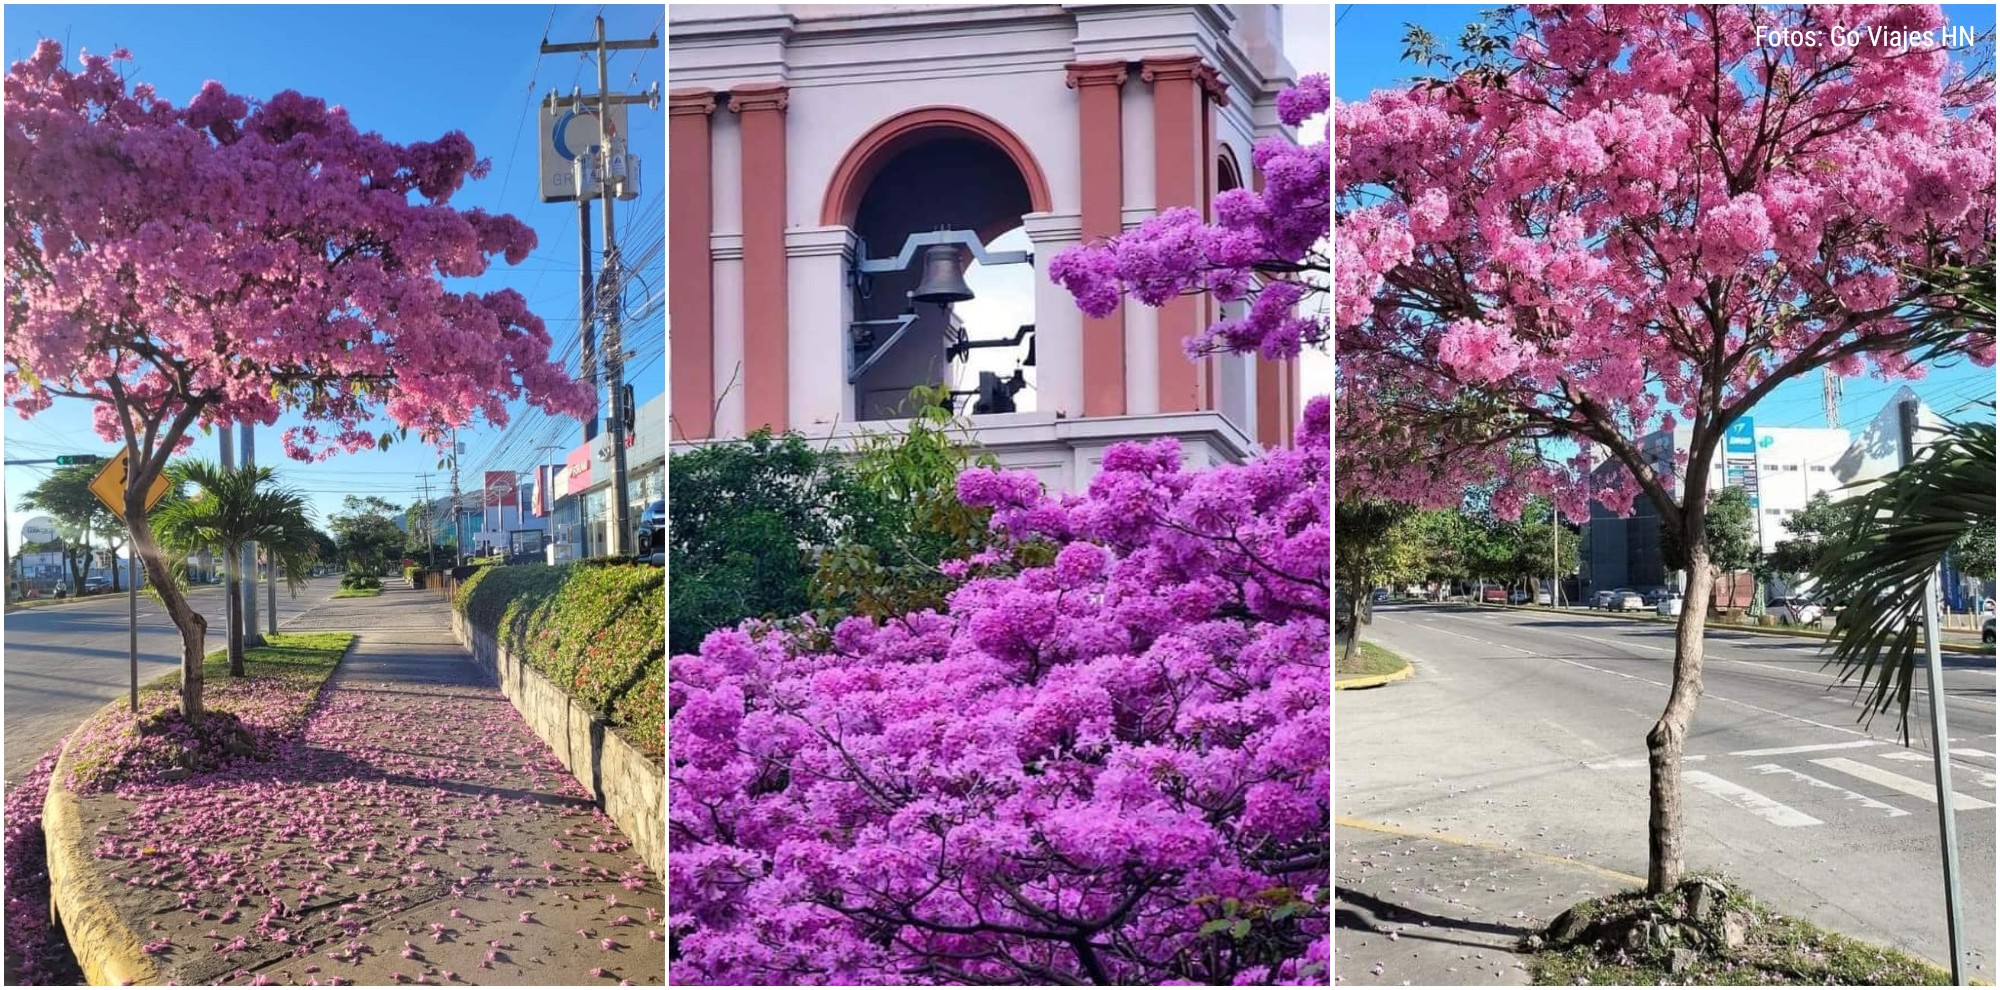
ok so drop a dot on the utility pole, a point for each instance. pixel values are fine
(457, 522)
(430, 540)
(611, 177)
(1555, 558)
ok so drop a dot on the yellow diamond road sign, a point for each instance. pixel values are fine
(109, 486)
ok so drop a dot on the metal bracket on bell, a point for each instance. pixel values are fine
(861, 333)
(965, 238)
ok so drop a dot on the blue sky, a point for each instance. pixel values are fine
(1367, 48)
(411, 73)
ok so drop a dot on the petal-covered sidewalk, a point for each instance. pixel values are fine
(418, 833)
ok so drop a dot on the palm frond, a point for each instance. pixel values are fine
(1883, 565)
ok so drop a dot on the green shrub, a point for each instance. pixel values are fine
(414, 575)
(597, 629)
(355, 581)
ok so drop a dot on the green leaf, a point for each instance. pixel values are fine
(1240, 930)
(1212, 927)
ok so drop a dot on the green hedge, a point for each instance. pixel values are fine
(598, 629)
(360, 582)
(414, 575)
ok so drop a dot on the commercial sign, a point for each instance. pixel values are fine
(566, 134)
(576, 470)
(1739, 453)
(500, 488)
(1741, 438)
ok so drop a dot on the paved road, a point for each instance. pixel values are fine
(1529, 728)
(64, 662)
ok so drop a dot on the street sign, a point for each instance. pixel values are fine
(66, 460)
(109, 486)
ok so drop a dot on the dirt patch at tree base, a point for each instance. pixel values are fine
(1706, 931)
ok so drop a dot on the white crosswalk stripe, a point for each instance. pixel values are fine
(1789, 750)
(1897, 782)
(1862, 799)
(1782, 815)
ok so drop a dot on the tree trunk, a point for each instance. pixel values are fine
(193, 628)
(1665, 743)
(1353, 628)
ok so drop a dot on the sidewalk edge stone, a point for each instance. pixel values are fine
(109, 951)
(1375, 680)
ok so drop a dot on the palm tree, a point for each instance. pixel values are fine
(232, 507)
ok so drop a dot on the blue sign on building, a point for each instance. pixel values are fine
(1741, 438)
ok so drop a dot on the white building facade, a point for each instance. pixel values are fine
(805, 140)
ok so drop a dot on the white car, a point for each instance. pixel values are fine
(1626, 600)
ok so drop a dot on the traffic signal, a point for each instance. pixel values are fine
(67, 460)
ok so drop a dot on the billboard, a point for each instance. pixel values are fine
(500, 488)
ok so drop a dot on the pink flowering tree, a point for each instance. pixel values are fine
(1110, 769)
(227, 262)
(1266, 248)
(1641, 218)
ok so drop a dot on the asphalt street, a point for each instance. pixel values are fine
(1529, 729)
(63, 662)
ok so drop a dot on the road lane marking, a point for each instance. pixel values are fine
(1866, 801)
(1898, 782)
(1971, 752)
(1781, 815)
(1789, 750)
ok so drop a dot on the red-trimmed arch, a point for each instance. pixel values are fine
(889, 138)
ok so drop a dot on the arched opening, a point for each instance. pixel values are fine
(944, 172)
(1236, 374)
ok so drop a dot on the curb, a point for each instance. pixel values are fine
(109, 951)
(1344, 821)
(1375, 680)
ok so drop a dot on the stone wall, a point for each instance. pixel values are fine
(628, 785)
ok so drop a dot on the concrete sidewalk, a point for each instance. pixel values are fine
(1415, 908)
(419, 833)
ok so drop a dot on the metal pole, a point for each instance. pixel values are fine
(1940, 738)
(587, 365)
(231, 563)
(430, 540)
(1555, 558)
(457, 517)
(132, 608)
(249, 436)
(614, 346)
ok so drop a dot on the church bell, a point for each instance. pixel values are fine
(944, 277)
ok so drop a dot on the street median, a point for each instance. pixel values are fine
(1371, 666)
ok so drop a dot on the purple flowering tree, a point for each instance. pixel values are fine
(1111, 769)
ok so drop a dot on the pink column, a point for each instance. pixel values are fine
(690, 278)
(1180, 88)
(766, 329)
(1101, 151)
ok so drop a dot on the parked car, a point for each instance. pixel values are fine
(1798, 611)
(1494, 594)
(1380, 596)
(96, 585)
(1517, 597)
(1602, 599)
(653, 528)
(1986, 631)
(1542, 598)
(1669, 604)
(1626, 600)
